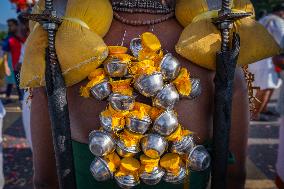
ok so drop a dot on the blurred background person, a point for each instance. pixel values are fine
(266, 76)
(279, 61)
(24, 30)
(7, 60)
(2, 114)
(12, 46)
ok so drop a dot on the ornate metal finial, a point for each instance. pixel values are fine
(225, 22)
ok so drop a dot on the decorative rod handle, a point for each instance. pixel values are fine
(226, 6)
(49, 5)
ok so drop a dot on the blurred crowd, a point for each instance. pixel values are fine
(12, 49)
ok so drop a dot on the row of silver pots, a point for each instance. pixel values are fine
(101, 172)
(148, 85)
(165, 124)
(165, 96)
(198, 159)
(102, 143)
(169, 67)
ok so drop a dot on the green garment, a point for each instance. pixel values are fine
(83, 159)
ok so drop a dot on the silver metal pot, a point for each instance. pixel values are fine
(170, 67)
(166, 123)
(154, 177)
(199, 159)
(101, 91)
(154, 142)
(114, 67)
(196, 89)
(124, 151)
(101, 143)
(184, 146)
(138, 126)
(121, 102)
(135, 46)
(167, 97)
(106, 123)
(100, 170)
(175, 179)
(127, 181)
(149, 85)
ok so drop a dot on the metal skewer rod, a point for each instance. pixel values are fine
(57, 102)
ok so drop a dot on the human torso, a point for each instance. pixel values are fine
(193, 114)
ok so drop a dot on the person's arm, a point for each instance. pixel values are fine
(45, 176)
(6, 65)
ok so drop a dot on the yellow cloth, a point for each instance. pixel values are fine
(80, 50)
(201, 40)
(187, 10)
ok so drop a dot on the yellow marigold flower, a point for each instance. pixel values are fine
(183, 83)
(171, 162)
(125, 58)
(113, 161)
(143, 67)
(148, 164)
(117, 50)
(122, 87)
(150, 41)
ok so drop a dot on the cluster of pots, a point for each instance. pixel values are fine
(154, 133)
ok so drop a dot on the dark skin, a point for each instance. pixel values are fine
(195, 115)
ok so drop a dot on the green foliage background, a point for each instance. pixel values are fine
(267, 5)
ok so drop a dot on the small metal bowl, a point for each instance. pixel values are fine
(166, 123)
(127, 181)
(101, 91)
(138, 126)
(101, 143)
(199, 159)
(114, 67)
(167, 97)
(175, 179)
(149, 85)
(154, 142)
(154, 177)
(124, 151)
(106, 123)
(100, 170)
(121, 102)
(136, 46)
(196, 89)
(184, 146)
(170, 67)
